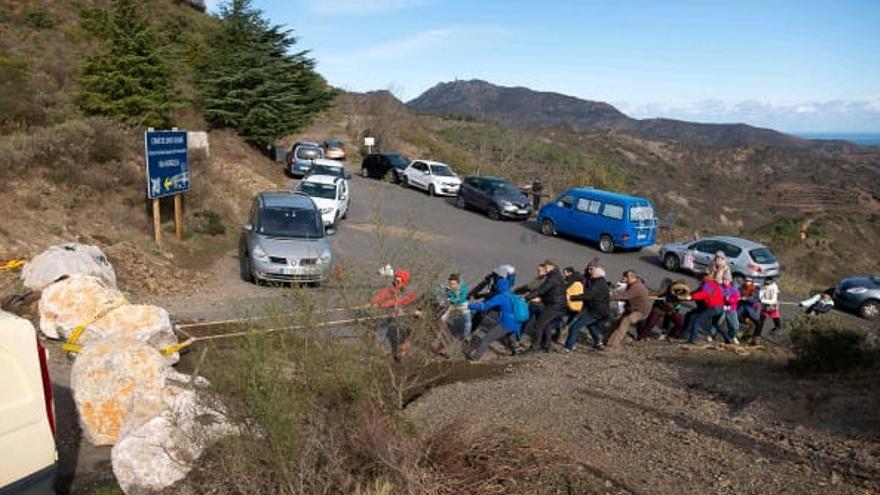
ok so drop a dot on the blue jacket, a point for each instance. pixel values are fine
(503, 302)
(458, 298)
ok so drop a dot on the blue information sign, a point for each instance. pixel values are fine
(167, 163)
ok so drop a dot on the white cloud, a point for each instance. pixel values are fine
(828, 115)
(362, 6)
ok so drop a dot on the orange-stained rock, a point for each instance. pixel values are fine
(150, 324)
(74, 301)
(65, 260)
(107, 376)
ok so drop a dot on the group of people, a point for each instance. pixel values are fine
(557, 299)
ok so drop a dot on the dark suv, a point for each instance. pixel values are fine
(494, 196)
(377, 165)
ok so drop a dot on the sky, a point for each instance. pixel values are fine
(796, 66)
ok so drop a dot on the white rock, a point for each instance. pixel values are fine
(65, 260)
(160, 452)
(198, 140)
(106, 378)
(74, 301)
(150, 324)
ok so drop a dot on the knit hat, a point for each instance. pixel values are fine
(720, 254)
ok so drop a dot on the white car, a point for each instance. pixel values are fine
(330, 195)
(434, 177)
(27, 414)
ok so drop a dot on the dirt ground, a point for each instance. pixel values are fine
(662, 418)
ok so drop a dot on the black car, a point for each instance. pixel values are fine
(377, 165)
(494, 196)
(859, 294)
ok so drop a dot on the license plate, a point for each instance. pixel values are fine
(642, 236)
(522, 212)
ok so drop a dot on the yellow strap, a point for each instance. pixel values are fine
(12, 264)
(71, 344)
(171, 349)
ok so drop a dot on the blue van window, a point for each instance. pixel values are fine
(588, 205)
(567, 200)
(637, 213)
(613, 211)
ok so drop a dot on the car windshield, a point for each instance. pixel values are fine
(290, 222)
(442, 171)
(763, 256)
(328, 170)
(398, 161)
(501, 188)
(309, 152)
(333, 143)
(317, 190)
(638, 213)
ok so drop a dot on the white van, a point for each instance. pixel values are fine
(27, 413)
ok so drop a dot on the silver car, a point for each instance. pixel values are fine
(860, 294)
(746, 258)
(284, 240)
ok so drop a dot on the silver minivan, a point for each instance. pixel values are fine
(284, 240)
(746, 258)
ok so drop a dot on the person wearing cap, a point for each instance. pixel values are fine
(720, 269)
(537, 189)
(638, 306)
(504, 328)
(393, 299)
(551, 295)
(488, 287)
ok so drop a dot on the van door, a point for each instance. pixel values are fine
(563, 215)
(611, 222)
(643, 223)
(587, 218)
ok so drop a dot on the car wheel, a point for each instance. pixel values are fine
(244, 266)
(365, 173)
(606, 243)
(404, 181)
(431, 191)
(671, 262)
(870, 310)
(547, 227)
(493, 213)
(460, 202)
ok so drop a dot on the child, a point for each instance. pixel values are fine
(769, 306)
(731, 304)
(456, 295)
(818, 304)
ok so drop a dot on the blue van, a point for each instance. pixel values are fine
(612, 220)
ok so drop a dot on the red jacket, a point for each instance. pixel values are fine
(395, 297)
(710, 293)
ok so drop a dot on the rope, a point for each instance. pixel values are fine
(12, 264)
(291, 327)
(258, 318)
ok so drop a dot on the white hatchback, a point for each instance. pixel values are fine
(434, 177)
(330, 195)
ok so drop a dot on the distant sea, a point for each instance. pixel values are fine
(855, 137)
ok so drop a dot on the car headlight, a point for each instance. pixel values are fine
(259, 254)
(507, 205)
(324, 211)
(857, 290)
(325, 256)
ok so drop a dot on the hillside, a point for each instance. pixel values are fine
(526, 108)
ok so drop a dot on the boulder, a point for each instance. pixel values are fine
(74, 301)
(150, 324)
(154, 455)
(65, 260)
(106, 378)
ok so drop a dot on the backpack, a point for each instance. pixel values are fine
(520, 309)
(575, 289)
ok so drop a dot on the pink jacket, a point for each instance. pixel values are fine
(731, 297)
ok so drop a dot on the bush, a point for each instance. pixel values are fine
(828, 344)
(39, 18)
(209, 222)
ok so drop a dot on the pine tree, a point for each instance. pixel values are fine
(253, 84)
(128, 78)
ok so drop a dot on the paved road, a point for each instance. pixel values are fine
(417, 227)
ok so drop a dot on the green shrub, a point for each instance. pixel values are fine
(827, 343)
(39, 18)
(209, 222)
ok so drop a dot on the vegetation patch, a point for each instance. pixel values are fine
(829, 344)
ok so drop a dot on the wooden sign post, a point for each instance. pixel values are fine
(178, 216)
(157, 222)
(167, 159)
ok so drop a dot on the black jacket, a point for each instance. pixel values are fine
(596, 299)
(487, 283)
(552, 291)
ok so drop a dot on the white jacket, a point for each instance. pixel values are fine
(770, 294)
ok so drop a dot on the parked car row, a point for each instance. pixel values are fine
(303, 154)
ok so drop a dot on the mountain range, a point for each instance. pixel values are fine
(526, 108)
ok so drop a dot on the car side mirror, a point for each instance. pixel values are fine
(248, 227)
(330, 230)
(347, 176)
(560, 204)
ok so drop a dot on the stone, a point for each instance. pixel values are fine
(74, 301)
(198, 141)
(106, 378)
(154, 455)
(64, 260)
(150, 324)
